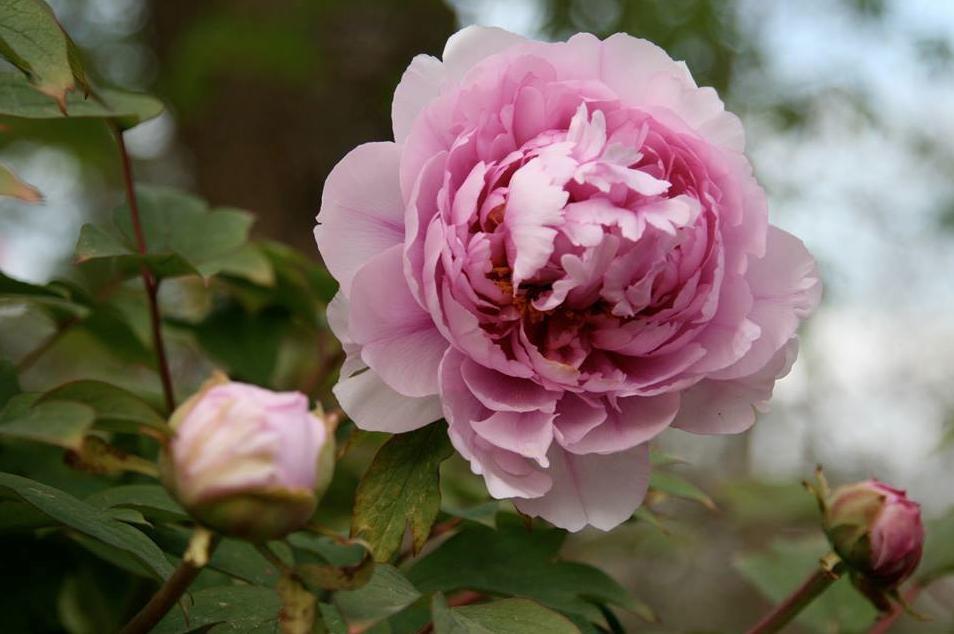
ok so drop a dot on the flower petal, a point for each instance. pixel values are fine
(470, 45)
(398, 338)
(602, 491)
(373, 406)
(420, 84)
(362, 212)
(637, 420)
(728, 407)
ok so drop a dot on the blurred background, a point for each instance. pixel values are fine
(848, 107)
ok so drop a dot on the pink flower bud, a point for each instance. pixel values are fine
(244, 460)
(877, 531)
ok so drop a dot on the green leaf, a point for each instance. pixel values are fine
(676, 486)
(88, 520)
(507, 616)
(237, 608)
(247, 345)
(777, 571)
(153, 501)
(329, 577)
(755, 502)
(127, 109)
(12, 186)
(183, 236)
(515, 561)
(32, 40)
(53, 300)
(401, 489)
(116, 409)
(9, 382)
(387, 593)
(61, 423)
(331, 619)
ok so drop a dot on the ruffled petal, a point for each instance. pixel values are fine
(729, 407)
(785, 288)
(634, 421)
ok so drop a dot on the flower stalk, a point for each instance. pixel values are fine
(201, 547)
(149, 280)
(828, 572)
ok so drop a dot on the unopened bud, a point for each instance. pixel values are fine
(244, 460)
(877, 531)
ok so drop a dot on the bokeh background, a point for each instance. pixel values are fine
(849, 111)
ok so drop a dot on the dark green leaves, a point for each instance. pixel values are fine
(387, 593)
(516, 561)
(59, 423)
(183, 235)
(87, 520)
(115, 409)
(237, 608)
(401, 490)
(32, 40)
(507, 616)
(127, 109)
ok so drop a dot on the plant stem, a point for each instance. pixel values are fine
(819, 581)
(148, 279)
(173, 589)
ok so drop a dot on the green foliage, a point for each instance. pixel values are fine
(777, 571)
(228, 609)
(401, 490)
(669, 484)
(87, 520)
(126, 109)
(33, 41)
(507, 616)
(60, 423)
(516, 561)
(183, 237)
(386, 593)
(115, 409)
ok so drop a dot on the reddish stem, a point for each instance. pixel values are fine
(148, 279)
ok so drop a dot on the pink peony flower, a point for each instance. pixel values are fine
(877, 531)
(563, 253)
(245, 460)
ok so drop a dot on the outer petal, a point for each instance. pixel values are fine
(786, 288)
(602, 491)
(470, 45)
(362, 212)
(644, 75)
(374, 406)
(398, 338)
(420, 84)
(728, 407)
(337, 316)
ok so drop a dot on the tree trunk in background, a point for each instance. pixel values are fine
(268, 96)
